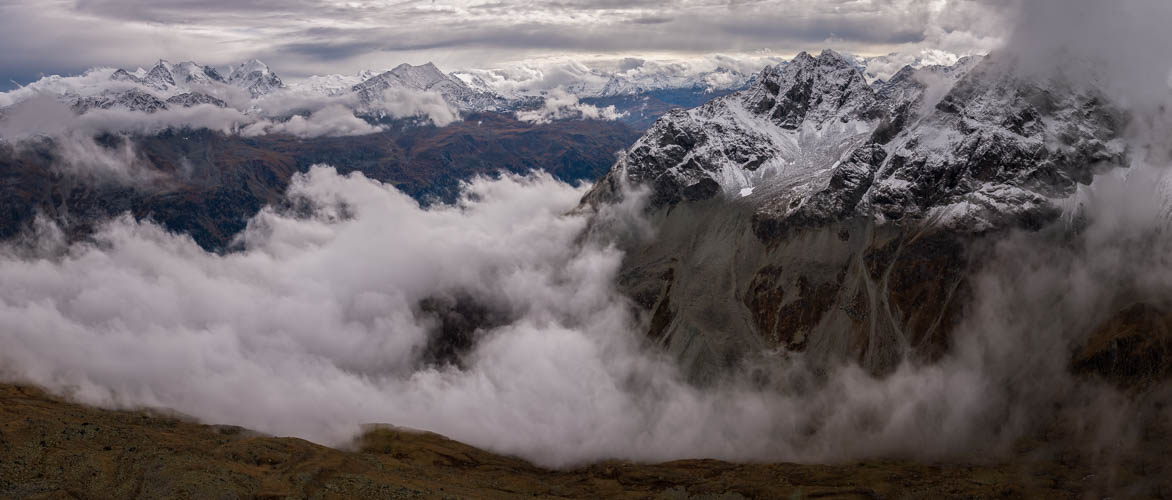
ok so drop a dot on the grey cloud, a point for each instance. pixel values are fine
(306, 37)
(186, 11)
(651, 20)
(326, 51)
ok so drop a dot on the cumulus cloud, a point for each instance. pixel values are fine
(561, 105)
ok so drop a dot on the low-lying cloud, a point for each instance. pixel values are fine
(406, 103)
(587, 76)
(331, 121)
(45, 111)
(561, 105)
(320, 323)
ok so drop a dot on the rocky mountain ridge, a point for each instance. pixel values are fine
(816, 212)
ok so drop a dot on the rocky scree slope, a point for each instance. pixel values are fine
(815, 212)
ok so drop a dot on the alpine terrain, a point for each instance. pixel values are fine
(816, 213)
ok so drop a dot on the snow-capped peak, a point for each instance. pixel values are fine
(190, 72)
(422, 77)
(160, 76)
(247, 68)
(428, 78)
(256, 77)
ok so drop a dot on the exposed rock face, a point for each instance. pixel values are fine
(137, 100)
(814, 212)
(133, 100)
(190, 99)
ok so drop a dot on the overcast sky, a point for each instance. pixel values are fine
(302, 37)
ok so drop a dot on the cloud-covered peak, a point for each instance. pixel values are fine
(256, 77)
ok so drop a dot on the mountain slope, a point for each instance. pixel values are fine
(814, 212)
(208, 184)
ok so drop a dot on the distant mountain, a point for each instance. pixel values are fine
(639, 90)
(181, 85)
(252, 75)
(256, 77)
(720, 79)
(427, 77)
(332, 85)
(209, 184)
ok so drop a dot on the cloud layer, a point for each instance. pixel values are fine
(324, 320)
(320, 36)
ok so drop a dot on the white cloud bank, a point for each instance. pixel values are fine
(44, 109)
(561, 105)
(330, 121)
(315, 327)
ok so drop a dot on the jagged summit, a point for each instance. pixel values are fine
(187, 76)
(818, 88)
(796, 124)
(183, 84)
(160, 77)
(795, 119)
(191, 73)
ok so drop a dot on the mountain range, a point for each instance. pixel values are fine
(815, 201)
(186, 84)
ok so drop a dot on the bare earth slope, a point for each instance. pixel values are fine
(50, 448)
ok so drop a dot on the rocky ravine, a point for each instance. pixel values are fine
(816, 212)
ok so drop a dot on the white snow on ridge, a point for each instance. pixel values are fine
(537, 91)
